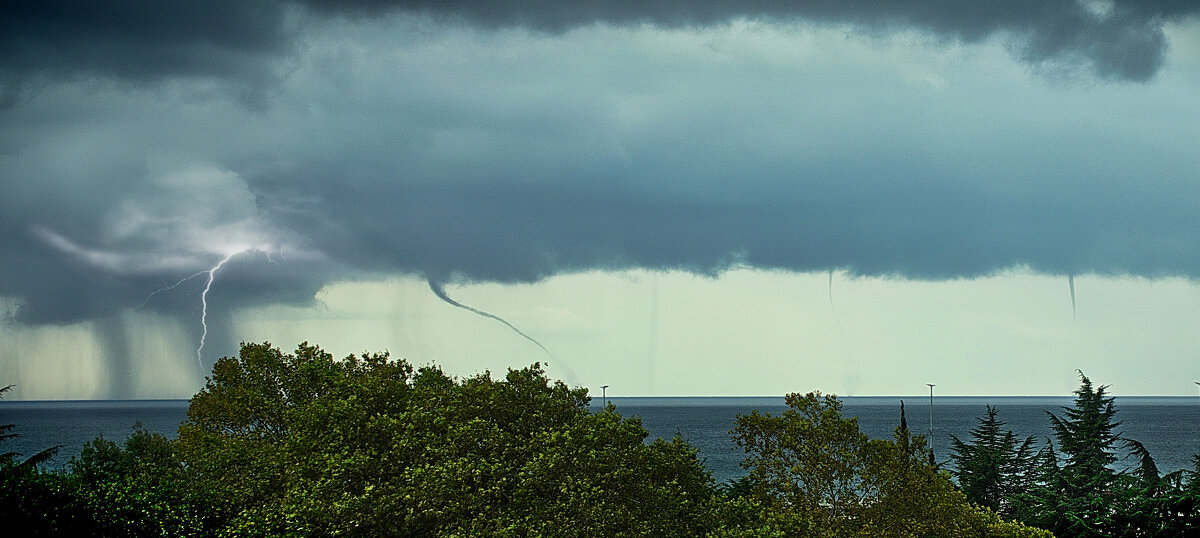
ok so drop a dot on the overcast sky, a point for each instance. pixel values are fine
(700, 198)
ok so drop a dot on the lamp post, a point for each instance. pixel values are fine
(1197, 384)
(604, 395)
(931, 459)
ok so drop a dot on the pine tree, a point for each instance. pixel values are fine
(1076, 498)
(1087, 437)
(995, 465)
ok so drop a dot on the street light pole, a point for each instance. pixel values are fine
(931, 459)
(1197, 384)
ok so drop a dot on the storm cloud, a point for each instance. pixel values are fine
(241, 42)
(1118, 39)
(513, 141)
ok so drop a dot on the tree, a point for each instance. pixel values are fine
(34, 502)
(809, 458)
(9, 461)
(1087, 437)
(369, 446)
(817, 474)
(139, 488)
(994, 466)
(1076, 493)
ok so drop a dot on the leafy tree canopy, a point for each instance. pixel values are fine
(370, 446)
(817, 474)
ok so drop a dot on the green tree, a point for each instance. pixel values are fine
(11, 462)
(809, 458)
(1087, 437)
(34, 502)
(817, 474)
(1148, 504)
(994, 466)
(139, 488)
(302, 444)
(1077, 491)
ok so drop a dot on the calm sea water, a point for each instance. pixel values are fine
(1168, 426)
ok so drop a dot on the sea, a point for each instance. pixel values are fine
(1168, 426)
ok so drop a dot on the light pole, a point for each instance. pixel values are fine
(931, 460)
(1197, 383)
(604, 395)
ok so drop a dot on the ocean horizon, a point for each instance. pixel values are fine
(1169, 426)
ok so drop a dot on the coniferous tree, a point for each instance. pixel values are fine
(1030, 505)
(1087, 437)
(1075, 494)
(994, 466)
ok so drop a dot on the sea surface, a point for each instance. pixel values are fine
(1168, 426)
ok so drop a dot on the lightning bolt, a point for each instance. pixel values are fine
(267, 253)
(441, 293)
(212, 273)
(204, 304)
(171, 287)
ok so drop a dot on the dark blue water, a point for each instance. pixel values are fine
(1168, 426)
(71, 423)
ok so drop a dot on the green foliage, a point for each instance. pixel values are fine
(369, 446)
(139, 488)
(1075, 494)
(736, 487)
(1075, 491)
(9, 460)
(810, 458)
(1087, 437)
(994, 466)
(304, 445)
(39, 503)
(816, 474)
(34, 502)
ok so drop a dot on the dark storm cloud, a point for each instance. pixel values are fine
(1121, 39)
(521, 235)
(364, 189)
(238, 42)
(139, 41)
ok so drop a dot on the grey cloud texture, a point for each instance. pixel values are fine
(42, 42)
(1118, 39)
(238, 42)
(428, 138)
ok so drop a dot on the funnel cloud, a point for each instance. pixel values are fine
(1071, 285)
(440, 291)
